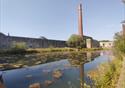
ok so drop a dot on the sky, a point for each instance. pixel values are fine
(58, 19)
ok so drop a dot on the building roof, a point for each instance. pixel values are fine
(105, 41)
(2, 34)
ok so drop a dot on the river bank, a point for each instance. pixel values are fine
(107, 74)
(14, 61)
(45, 50)
(19, 58)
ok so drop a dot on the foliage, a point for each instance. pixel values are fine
(92, 49)
(16, 48)
(44, 50)
(119, 43)
(106, 76)
(104, 41)
(76, 41)
(19, 46)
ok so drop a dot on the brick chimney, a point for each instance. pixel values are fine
(80, 22)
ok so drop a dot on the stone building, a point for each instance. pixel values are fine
(8, 41)
(106, 44)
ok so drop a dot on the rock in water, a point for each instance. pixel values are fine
(48, 82)
(28, 76)
(57, 74)
(35, 85)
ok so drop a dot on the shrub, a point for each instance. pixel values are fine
(119, 43)
(18, 46)
(107, 74)
(76, 41)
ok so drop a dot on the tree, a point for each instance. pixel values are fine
(119, 42)
(76, 41)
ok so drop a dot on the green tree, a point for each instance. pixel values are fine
(76, 41)
(119, 42)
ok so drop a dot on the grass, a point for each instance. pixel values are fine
(17, 51)
(41, 50)
(106, 76)
(44, 50)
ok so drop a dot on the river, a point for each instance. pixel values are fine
(73, 73)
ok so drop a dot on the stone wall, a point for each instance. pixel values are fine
(8, 41)
(3, 41)
(95, 43)
(91, 43)
(106, 44)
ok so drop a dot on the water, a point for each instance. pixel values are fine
(71, 74)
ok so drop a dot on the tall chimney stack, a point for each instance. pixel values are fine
(80, 22)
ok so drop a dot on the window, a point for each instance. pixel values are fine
(103, 44)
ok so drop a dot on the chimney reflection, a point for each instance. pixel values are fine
(81, 75)
(78, 59)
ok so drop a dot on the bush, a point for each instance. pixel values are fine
(76, 41)
(107, 74)
(18, 46)
(119, 43)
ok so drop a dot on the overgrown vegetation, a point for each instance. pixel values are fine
(119, 48)
(17, 48)
(45, 50)
(76, 41)
(119, 43)
(106, 76)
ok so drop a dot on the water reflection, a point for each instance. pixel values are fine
(79, 59)
(9, 62)
(67, 73)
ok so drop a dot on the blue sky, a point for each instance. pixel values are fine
(57, 19)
